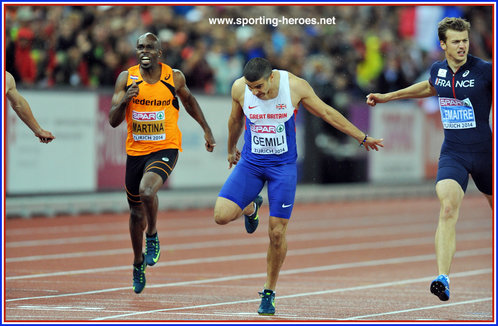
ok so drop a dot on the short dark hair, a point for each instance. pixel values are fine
(152, 36)
(257, 68)
(455, 24)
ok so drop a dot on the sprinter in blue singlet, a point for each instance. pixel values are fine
(269, 100)
(463, 84)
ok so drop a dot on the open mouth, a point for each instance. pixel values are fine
(145, 60)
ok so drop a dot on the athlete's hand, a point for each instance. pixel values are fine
(45, 136)
(132, 91)
(233, 158)
(374, 98)
(210, 142)
(373, 143)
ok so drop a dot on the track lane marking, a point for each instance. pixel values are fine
(232, 242)
(355, 288)
(399, 260)
(443, 305)
(296, 252)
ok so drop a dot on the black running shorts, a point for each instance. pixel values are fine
(161, 163)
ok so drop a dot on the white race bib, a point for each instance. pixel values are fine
(148, 126)
(268, 139)
(457, 114)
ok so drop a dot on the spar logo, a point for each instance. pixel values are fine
(148, 116)
(267, 129)
(450, 102)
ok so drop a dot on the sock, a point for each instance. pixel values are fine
(253, 215)
(151, 236)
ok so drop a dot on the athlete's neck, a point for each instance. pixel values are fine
(454, 64)
(152, 74)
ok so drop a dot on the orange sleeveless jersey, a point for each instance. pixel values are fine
(152, 116)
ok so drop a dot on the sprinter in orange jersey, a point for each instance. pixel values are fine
(146, 96)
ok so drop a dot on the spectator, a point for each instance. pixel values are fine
(24, 62)
(40, 40)
(196, 69)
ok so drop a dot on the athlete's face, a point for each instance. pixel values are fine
(456, 46)
(261, 87)
(148, 52)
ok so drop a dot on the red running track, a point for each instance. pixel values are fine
(348, 262)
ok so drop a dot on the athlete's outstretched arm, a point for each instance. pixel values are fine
(192, 107)
(418, 90)
(23, 110)
(316, 106)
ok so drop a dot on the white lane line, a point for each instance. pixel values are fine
(59, 308)
(444, 305)
(213, 229)
(480, 235)
(355, 288)
(381, 262)
(296, 252)
(378, 229)
(66, 241)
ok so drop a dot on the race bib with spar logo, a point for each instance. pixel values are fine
(268, 139)
(148, 126)
(457, 114)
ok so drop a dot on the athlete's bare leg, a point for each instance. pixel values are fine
(137, 226)
(490, 200)
(226, 210)
(149, 186)
(450, 196)
(277, 250)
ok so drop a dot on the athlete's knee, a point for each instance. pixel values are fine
(277, 236)
(221, 220)
(221, 217)
(147, 194)
(149, 185)
(450, 195)
(449, 210)
(225, 211)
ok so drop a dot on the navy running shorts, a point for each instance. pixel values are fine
(162, 163)
(457, 166)
(247, 180)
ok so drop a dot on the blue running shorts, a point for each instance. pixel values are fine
(457, 166)
(247, 180)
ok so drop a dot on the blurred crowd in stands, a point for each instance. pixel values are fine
(378, 48)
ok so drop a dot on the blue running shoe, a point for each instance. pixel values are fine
(152, 249)
(139, 276)
(267, 306)
(440, 287)
(252, 221)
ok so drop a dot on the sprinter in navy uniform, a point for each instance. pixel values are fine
(463, 84)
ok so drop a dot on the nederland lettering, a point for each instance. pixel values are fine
(153, 102)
